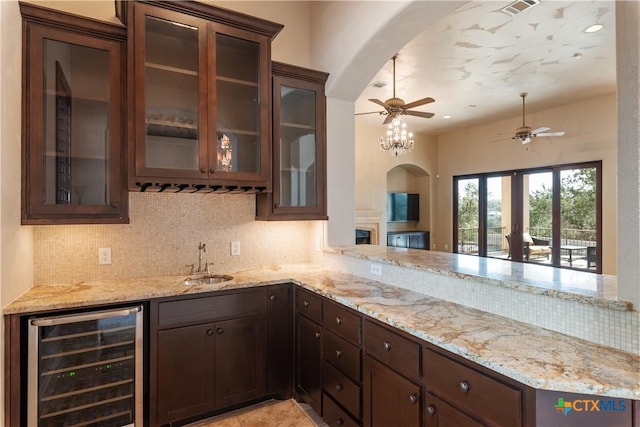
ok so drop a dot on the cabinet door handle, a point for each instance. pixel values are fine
(209, 332)
(317, 335)
(114, 204)
(464, 386)
(338, 354)
(220, 331)
(413, 398)
(272, 297)
(276, 205)
(339, 422)
(305, 303)
(338, 387)
(338, 321)
(212, 170)
(387, 345)
(203, 170)
(431, 410)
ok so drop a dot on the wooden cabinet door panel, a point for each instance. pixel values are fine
(239, 367)
(279, 340)
(309, 362)
(389, 399)
(439, 414)
(185, 372)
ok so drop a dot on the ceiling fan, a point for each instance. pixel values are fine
(525, 134)
(395, 106)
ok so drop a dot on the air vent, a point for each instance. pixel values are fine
(519, 6)
(378, 84)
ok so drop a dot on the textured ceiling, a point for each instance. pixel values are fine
(476, 61)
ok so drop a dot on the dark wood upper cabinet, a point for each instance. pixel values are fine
(73, 168)
(201, 97)
(299, 146)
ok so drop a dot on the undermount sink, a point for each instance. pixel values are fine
(207, 280)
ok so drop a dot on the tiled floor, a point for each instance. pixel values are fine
(273, 413)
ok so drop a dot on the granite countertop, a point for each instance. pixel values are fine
(534, 356)
(589, 288)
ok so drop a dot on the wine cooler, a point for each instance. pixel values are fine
(86, 369)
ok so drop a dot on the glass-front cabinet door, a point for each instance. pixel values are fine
(299, 146)
(74, 139)
(170, 59)
(201, 100)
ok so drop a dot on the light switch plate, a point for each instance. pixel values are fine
(375, 269)
(235, 248)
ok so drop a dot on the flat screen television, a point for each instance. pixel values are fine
(403, 207)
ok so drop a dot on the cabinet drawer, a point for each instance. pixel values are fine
(206, 309)
(335, 416)
(342, 321)
(342, 354)
(342, 389)
(399, 353)
(309, 304)
(478, 394)
(438, 414)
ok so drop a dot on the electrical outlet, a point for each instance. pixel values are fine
(375, 269)
(104, 256)
(235, 248)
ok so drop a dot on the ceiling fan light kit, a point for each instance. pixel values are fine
(398, 139)
(525, 134)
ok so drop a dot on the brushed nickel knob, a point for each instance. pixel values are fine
(220, 331)
(272, 297)
(338, 387)
(317, 335)
(209, 332)
(338, 354)
(339, 422)
(114, 204)
(305, 303)
(387, 345)
(464, 386)
(338, 321)
(203, 170)
(431, 410)
(212, 170)
(413, 398)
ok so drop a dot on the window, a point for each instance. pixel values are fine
(549, 215)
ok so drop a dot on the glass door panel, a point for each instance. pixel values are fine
(537, 221)
(237, 105)
(297, 147)
(171, 95)
(578, 236)
(498, 216)
(468, 204)
(76, 103)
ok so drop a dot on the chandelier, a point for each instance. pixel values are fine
(398, 140)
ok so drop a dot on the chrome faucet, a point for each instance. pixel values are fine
(202, 247)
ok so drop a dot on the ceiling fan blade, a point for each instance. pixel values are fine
(419, 114)
(419, 102)
(381, 103)
(540, 129)
(372, 112)
(389, 119)
(561, 133)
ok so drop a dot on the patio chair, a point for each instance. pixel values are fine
(531, 247)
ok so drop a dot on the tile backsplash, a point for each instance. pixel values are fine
(163, 237)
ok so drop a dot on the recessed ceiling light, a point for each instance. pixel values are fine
(446, 117)
(578, 55)
(593, 28)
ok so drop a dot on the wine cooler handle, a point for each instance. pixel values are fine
(62, 320)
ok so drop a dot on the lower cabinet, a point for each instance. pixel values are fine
(185, 372)
(439, 414)
(389, 398)
(209, 353)
(308, 362)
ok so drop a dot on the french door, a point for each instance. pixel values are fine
(549, 215)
